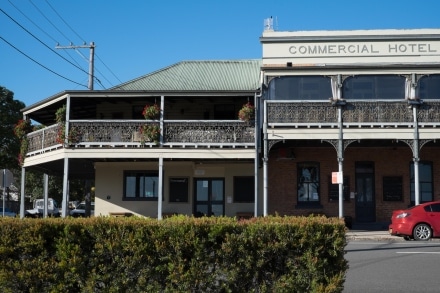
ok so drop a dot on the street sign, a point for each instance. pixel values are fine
(336, 177)
(6, 178)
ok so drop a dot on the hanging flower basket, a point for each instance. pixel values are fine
(150, 133)
(151, 111)
(247, 112)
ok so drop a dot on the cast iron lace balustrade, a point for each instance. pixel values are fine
(124, 133)
(43, 139)
(214, 132)
(356, 113)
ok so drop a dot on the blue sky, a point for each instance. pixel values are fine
(134, 38)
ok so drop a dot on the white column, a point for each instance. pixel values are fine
(160, 189)
(23, 177)
(45, 194)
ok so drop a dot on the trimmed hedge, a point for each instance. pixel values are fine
(177, 254)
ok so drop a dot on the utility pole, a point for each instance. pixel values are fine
(91, 59)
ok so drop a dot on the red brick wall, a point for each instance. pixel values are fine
(388, 161)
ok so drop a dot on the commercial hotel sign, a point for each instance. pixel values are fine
(362, 49)
(322, 53)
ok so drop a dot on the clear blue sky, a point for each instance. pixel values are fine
(134, 38)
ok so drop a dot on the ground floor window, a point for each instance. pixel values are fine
(244, 189)
(333, 190)
(308, 182)
(425, 182)
(141, 185)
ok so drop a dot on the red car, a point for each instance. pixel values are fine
(421, 222)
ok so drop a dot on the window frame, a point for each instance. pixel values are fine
(184, 190)
(302, 179)
(248, 198)
(333, 187)
(300, 88)
(374, 87)
(422, 183)
(428, 87)
(138, 174)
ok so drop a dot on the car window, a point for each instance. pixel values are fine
(435, 207)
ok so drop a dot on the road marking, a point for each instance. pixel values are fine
(419, 252)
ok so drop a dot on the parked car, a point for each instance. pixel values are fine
(7, 212)
(38, 209)
(421, 222)
(80, 210)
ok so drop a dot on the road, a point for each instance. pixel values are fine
(383, 266)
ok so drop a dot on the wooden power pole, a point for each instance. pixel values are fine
(91, 59)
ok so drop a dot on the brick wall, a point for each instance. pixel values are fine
(388, 161)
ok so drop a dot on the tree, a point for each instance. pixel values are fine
(9, 116)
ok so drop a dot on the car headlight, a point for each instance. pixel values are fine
(403, 215)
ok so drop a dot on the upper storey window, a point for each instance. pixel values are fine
(429, 87)
(300, 88)
(374, 87)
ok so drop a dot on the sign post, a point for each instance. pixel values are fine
(5, 181)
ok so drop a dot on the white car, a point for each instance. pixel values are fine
(80, 210)
(7, 212)
(38, 209)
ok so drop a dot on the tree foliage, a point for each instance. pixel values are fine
(9, 116)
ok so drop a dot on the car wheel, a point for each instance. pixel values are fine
(422, 232)
(407, 238)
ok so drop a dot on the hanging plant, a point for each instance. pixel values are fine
(73, 137)
(150, 133)
(74, 134)
(60, 114)
(23, 151)
(151, 111)
(22, 128)
(247, 112)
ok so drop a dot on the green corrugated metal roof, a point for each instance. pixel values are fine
(216, 75)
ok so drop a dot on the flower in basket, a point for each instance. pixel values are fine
(151, 111)
(150, 133)
(246, 113)
(22, 128)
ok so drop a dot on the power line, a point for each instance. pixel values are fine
(53, 39)
(40, 63)
(41, 41)
(48, 20)
(64, 21)
(84, 43)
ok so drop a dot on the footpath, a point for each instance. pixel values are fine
(373, 232)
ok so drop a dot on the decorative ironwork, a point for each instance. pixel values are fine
(362, 113)
(43, 138)
(111, 131)
(209, 132)
(377, 112)
(127, 132)
(410, 143)
(334, 143)
(301, 112)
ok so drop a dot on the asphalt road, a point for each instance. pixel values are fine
(390, 266)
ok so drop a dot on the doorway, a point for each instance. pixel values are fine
(209, 198)
(365, 195)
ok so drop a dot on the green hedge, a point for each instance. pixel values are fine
(178, 254)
